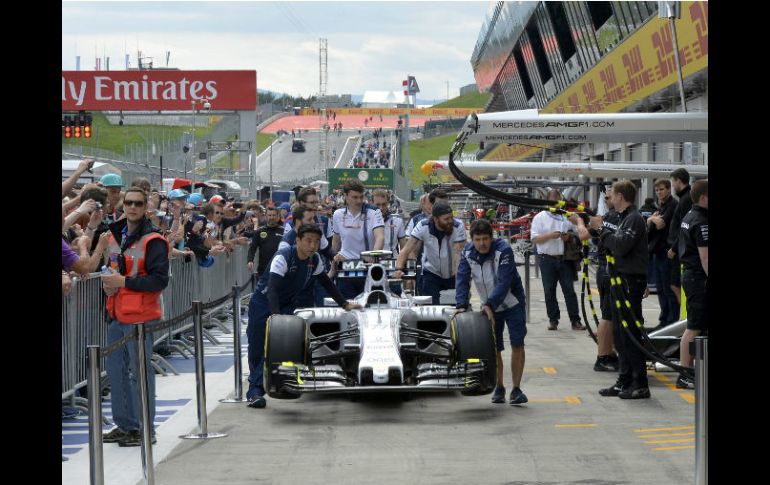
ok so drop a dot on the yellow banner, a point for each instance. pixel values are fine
(453, 112)
(640, 66)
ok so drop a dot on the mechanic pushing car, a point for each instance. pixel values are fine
(503, 306)
(292, 269)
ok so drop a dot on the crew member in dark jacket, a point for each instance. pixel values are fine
(694, 254)
(291, 270)
(680, 181)
(628, 245)
(266, 238)
(657, 243)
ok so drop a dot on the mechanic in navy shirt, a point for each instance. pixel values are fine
(490, 264)
(291, 270)
(693, 252)
(302, 215)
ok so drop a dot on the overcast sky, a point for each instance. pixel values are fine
(372, 45)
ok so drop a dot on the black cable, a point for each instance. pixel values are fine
(624, 305)
(513, 199)
(586, 288)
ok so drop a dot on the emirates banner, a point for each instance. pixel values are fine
(157, 90)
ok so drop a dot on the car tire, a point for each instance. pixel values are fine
(473, 338)
(286, 341)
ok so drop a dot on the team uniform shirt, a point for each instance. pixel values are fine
(628, 244)
(545, 222)
(356, 231)
(438, 254)
(394, 232)
(267, 240)
(494, 274)
(292, 275)
(413, 222)
(610, 221)
(290, 239)
(693, 234)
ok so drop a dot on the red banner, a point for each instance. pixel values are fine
(157, 90)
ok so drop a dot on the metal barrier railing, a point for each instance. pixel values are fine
(84, 322)
(701, 411)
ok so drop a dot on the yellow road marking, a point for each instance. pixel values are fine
(588, 425)
(666, 435)
(680, 440)
(690, 398)
(666, 448)
(674, 388)
(567, 399)
(662, 378)
(671, 428)
(549, 370)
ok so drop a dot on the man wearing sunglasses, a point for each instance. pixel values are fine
(137, 275)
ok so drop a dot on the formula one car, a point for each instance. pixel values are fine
(392, 344)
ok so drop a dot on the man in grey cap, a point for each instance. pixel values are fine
(443, 238)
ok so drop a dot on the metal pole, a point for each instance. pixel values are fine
(148, 468)
(192, 150)
(237, 357)
(701, 411)
(161, 170)
(271, 171)
(678, 64)
(95, 448)
(200, 378)
(527, 255)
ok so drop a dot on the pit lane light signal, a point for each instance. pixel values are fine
(67, 127)
(78, 130)
(87, 126)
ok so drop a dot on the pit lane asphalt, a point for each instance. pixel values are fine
(567, 433)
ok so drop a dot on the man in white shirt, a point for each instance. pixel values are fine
(549, 232)
(395, 236)
(357, 227)
(394, 225)
(443, 238)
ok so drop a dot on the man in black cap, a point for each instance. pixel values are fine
(443, 238)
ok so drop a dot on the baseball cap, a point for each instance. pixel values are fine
(111, 180)
(440, 209)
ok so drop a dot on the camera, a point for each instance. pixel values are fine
(98, 206)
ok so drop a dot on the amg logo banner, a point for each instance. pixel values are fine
(516, 138)
(553, 124)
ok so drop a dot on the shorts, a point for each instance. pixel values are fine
(605, 298)
(676, 272)
(694, 286)
(516, 320)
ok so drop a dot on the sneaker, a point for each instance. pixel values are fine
(134, 438)
(577, 325)
(635, 393)
(553, 324)
(257, 402)
(114, 436)
(612, 361)
(518, 397)
(603, 364)
(613, 391)
(685, 382)
(499, 395)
